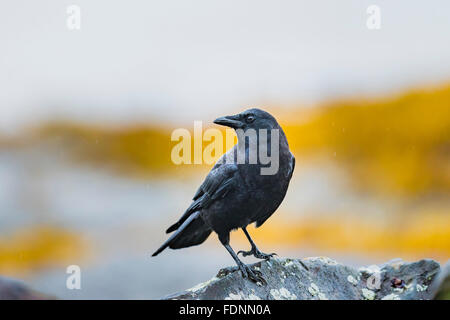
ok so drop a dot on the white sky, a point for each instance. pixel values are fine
(187, 60)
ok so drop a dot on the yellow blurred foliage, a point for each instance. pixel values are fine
(399, 145)
(135, 150)
(415, 236)
(38, 247)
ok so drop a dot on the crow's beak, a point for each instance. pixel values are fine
(229, 121)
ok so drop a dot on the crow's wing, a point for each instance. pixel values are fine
(217, 184)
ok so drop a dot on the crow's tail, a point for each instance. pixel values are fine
(192, 231)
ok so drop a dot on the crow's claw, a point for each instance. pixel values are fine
(252, 275)
(245, 253)
(265, 256)
(257, 254)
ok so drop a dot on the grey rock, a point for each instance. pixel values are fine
(440, 288)
(321, 278)
(11, 289)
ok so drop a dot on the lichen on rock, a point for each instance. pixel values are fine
(322, 278)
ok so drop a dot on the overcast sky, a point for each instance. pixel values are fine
(184, 60)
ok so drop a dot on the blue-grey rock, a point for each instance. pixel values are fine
(323, 278)
(440, 288)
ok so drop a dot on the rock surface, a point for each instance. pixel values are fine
(321, 278)
(11, 289)
(441, 284)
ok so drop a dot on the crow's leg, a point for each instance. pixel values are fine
(254, 250)
(246, 271)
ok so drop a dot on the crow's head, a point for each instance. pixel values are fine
(249, 119)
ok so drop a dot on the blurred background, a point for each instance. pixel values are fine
(86, 117)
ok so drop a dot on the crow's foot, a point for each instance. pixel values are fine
(257, 254)
(252, 275)
(247, 272)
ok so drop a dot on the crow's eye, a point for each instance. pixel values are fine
(249, 119)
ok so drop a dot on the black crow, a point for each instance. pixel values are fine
(246, 185)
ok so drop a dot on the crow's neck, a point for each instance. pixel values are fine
(248, 139)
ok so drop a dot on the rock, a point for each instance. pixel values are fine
(322, 278)
(11, 289)
(440, 287)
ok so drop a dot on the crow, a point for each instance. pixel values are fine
(237, 191)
